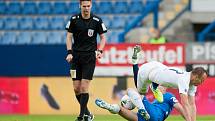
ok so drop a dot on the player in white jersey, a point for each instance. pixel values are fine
(159, 74)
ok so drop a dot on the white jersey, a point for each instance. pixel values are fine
(167, 76)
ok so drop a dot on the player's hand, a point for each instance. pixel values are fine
(98, 54)
(69, 58)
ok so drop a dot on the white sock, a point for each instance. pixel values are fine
(114, 108)
(134, 61)
(135, 98)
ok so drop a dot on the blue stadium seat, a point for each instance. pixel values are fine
(42, 23)
(105, 7)
(59, 8)
(39, 38)
(26, 23)
(29, 8)
(24, 38)
(64, 33)
(14, 8)
(57, 23)
(44, 8)
(107, 21)
(67, 19)
(1, 23)
(1, 37)
(94, 7)
(11, 23)
(114, 36)
(136, 7)
(118, 22)
(9, 38)
(3, 7)
(120, 7)
(131, 18)
(55, 38)
(73, 8)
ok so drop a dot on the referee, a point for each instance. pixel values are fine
(82, 52)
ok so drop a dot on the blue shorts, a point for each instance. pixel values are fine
(154, 112)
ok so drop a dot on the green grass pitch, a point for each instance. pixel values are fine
(97, 118)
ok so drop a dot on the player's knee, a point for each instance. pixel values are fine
(130, 90)
(141, 91)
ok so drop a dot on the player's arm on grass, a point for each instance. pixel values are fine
(180, 109)
(186, 106)
(192, 107)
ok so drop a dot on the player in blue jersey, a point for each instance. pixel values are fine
(157, 111)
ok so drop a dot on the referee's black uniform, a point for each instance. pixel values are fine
(85, 44)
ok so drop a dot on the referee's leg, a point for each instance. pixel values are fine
(87, 76)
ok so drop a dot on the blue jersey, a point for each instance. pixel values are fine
(159, 111)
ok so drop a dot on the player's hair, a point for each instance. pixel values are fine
(199, 71)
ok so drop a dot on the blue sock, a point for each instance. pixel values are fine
(135, 71)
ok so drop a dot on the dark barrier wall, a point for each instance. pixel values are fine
(33, 60)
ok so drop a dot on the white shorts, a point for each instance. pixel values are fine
(143, 75)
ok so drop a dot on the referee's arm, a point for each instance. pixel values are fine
(69, 41)
(102, 42)
(69, 47)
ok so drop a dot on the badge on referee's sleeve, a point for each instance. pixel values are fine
(73, 73)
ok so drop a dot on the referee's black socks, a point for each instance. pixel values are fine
(84, 97)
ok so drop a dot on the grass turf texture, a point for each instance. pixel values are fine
(97, 118)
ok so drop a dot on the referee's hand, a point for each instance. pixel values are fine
(69, 58)
(98, 54)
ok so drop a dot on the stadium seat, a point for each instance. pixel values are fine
(131, 18)
(114, 36)
(136, 7)
(106, 20)
(24, 38)
(26, 23)
(105, 7)
(1, 37)
(94, 7)
(64, 33)
(44, 8)
(73, 8)
(1, 23)
(120, 7)
(29, 8)
(42, 23)
(57, 23)
(39, 38)
(118, 22)
(3, 7)
(55, 38)
(14, 8)
(11, 23)
(9, 38)
(59, 8)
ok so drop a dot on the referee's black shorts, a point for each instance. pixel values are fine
(83, 65)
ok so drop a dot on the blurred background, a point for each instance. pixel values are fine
(178, 33)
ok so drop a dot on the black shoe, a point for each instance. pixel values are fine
(89, 117)
(48, 97)
(79, 119)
